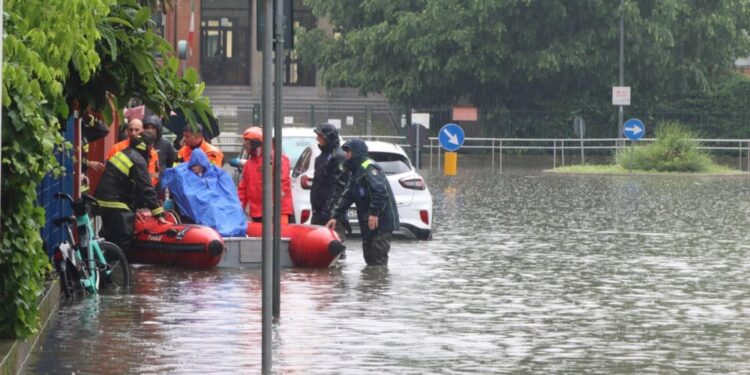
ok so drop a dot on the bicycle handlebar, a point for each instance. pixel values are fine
(85, 197)
(79, 206)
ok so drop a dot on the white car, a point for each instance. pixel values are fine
(412, 196)
(293, 142)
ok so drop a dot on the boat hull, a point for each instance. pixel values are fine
(310, 246)
(181, 245)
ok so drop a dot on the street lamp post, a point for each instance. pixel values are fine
(620, 115)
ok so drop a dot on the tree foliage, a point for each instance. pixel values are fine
(501, 55)
(57, 53)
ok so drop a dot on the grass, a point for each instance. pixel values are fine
(674, 151)
(618, 169)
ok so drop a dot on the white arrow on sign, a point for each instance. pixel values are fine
(452, 138)
(635, 129)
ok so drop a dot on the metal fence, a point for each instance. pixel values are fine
(51, 184)
(553, 152)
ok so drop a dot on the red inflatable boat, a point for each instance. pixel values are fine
(186, 245)
(310, 246)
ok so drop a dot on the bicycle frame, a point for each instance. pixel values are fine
(86, 244)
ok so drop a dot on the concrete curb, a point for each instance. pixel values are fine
(15, 353)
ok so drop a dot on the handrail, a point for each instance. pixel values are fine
(495, 146)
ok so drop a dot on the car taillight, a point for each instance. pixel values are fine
(306, 182)
(304, 215)
(416, 183)
(425, 216)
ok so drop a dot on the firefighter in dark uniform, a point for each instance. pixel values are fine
(329, 180)
(369, 190)
(124, 186)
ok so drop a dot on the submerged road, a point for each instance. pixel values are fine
(526, 273)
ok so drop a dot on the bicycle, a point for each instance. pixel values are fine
(84, 262)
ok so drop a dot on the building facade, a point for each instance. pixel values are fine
(224, 48)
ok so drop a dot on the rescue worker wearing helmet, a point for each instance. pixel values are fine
(124, 187)
(163, 147)
(134, 130)
(329, 179)
(250, 189)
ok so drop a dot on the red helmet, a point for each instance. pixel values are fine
(253, 133)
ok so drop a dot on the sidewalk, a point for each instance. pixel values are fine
(14, 353)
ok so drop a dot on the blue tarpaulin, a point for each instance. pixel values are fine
(209, 199)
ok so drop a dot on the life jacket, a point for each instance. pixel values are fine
(212, 152)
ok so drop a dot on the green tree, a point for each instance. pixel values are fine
(529, 55)
(57, 52)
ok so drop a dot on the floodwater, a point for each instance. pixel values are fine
(527, 273)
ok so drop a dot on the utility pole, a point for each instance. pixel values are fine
(621, 115)
(267, 246)
(279, 82)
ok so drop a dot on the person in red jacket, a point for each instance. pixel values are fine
(250, 189)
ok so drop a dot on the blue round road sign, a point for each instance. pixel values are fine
(451, 137)
(633, 129)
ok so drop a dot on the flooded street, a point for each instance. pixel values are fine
(526, 273)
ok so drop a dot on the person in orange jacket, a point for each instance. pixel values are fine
(250, 189)
(194, 139)
(134, 130)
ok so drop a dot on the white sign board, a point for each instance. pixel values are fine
(336, 122)
(350, 120)
(225, 110)
(620, 95)
(421, 118)
(288, 120)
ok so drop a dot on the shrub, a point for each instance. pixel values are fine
(674, 150)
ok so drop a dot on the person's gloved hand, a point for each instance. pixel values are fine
(235, 162)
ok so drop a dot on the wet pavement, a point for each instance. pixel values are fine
(526, 273)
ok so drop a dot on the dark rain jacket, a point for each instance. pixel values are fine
(369, 190)
(330, 177)
(164, 149)
(126, 183)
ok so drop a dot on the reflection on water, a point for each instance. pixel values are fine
(526, 273)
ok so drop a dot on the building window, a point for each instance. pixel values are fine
(298, 74)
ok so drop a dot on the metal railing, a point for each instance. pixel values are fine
(561, 151)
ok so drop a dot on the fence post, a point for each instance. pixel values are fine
(312, 115)
(554, 153)
(501, 156)
(493, 153)
(739, 159)
(562, 151)
(431, 154)
(438, 159)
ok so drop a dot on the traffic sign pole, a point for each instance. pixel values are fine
(451, 138)
(633, 129)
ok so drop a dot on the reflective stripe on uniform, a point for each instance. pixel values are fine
(366, 163)
(122, 162)
(118, 205)
(157, 211)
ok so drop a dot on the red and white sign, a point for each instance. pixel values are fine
(620, 95)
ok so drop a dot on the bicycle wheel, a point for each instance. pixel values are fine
(116, 274)
(69, 281)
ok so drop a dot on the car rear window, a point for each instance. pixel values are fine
(293, 146)
(390, 162)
